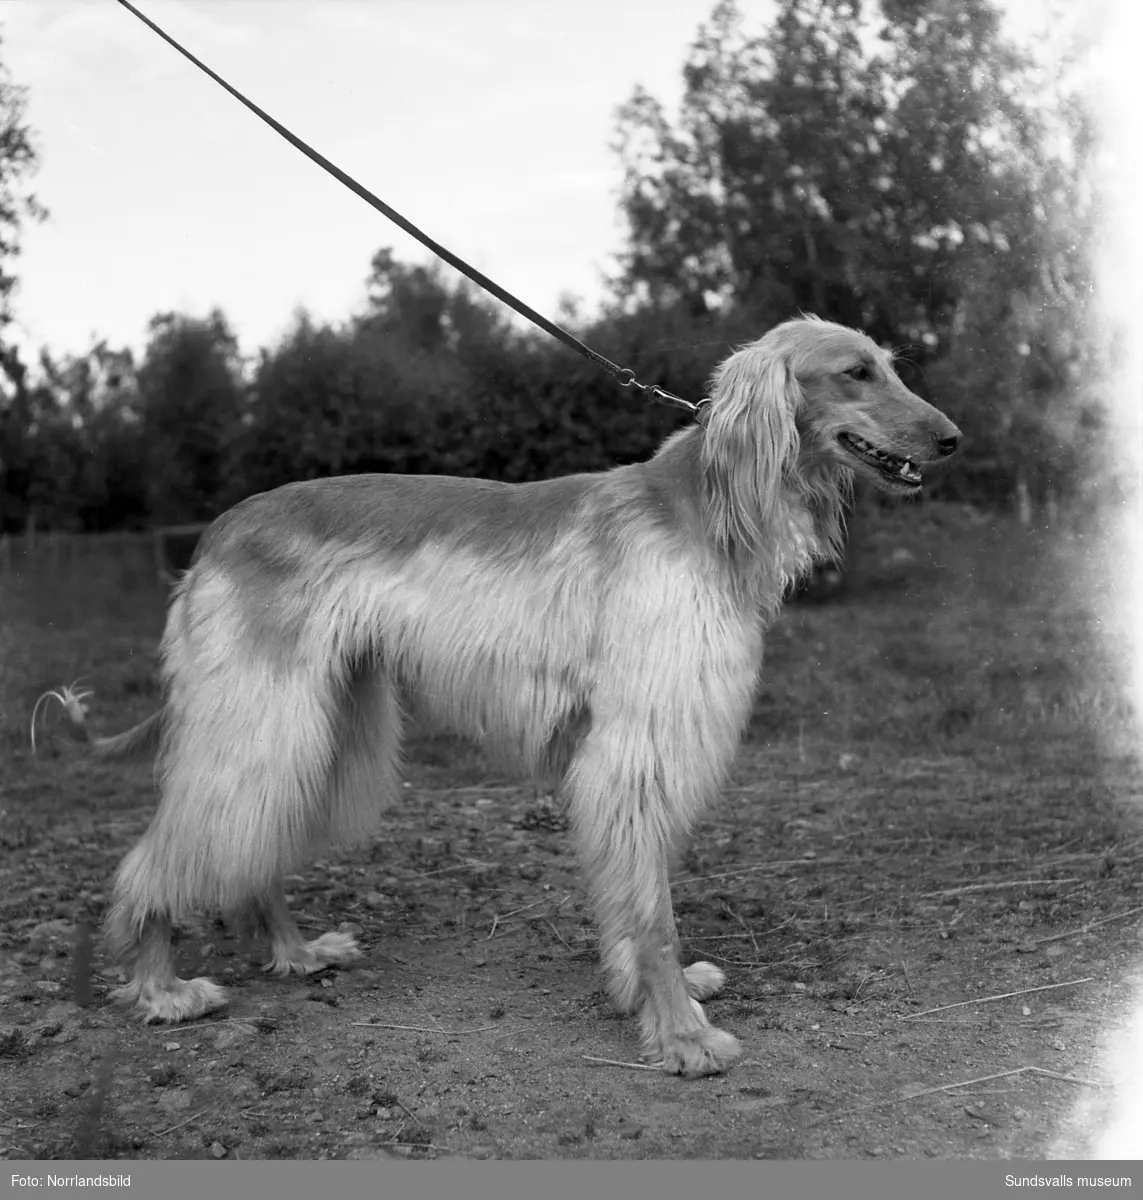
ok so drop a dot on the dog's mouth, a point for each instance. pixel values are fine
(892, 470)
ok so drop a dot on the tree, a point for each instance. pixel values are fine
(1024, 359)
(834, 163)
(72, 444)
(190, 396)
(755, 197)
(42, 448)
(18, 161)
(890, 167)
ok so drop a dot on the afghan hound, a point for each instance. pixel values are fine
(604, 630)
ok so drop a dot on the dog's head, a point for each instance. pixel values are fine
(805, 408)
(855, 412)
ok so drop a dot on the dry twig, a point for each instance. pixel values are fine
(418, 1146)
(1056, 937)
(559, 935)
(614, 1062)
(1047, 987)
(766, 866)
(967, 888)
(515, 912)
(421, 1028)
(949, 1087)
(151, 1134)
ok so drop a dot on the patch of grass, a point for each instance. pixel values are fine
(296, 1079)
(163, 1075)
(54, 631)
(14, 1043)
(988, 629)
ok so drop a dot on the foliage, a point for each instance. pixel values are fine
(18, 412)
(899, 167)
(18, 161)
(895, 166)
(190, 395)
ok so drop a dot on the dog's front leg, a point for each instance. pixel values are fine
(624, 841)
(674, 1027)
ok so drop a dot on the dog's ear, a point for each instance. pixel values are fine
(750, 444)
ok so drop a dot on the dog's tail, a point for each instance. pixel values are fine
(144, 738)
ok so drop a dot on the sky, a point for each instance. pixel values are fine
(485, 122)
(488, 123)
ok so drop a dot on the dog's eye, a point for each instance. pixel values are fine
(860, 372)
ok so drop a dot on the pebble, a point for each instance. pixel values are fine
(234, 1035)
(173, 1100)
(47, 931)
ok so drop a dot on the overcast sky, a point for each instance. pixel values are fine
(486, 122)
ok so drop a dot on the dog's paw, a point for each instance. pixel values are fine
(329, 950)
(703, 980)
(179, 1000)
(708, 1051)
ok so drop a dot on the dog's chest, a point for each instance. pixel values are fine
(799, 542)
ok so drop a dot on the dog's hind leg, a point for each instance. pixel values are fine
(365, 774)
(290, 953)
(143, 949)
(245, 775)
(367, 766)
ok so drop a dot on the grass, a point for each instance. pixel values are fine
(980, 638)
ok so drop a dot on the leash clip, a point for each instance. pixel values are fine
(700, 411)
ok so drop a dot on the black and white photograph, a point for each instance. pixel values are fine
(571, 587)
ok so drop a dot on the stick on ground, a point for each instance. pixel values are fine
(421, 1028)
(949, 1087)
(614, 1062)
(1047, 987)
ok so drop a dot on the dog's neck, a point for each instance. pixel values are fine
(804, 529)
(805, 526)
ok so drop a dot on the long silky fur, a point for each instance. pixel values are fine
(603, 629)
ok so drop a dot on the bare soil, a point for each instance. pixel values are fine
(929, 811)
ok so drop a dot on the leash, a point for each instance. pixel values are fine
(624, 376)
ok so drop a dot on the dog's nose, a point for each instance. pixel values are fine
(948, 445)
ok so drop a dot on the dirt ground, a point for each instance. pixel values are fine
(929, 812)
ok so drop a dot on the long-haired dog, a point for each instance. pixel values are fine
(604, 629)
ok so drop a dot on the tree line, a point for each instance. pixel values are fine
(899, 167)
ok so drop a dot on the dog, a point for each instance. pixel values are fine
(604, 630)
